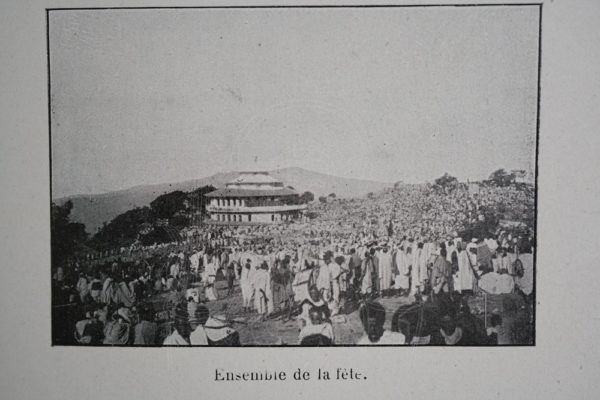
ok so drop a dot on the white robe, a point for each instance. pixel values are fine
(401, 281)
(246, 285)
(415, 273)
(525, 283)
(210, 272)
(260, 288)
(385, 270)
(324, 281)
(465, 273)
(195, 262)
(334, 271)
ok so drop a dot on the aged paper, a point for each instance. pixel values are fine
(355, 200)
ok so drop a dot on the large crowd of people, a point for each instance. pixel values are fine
(412, 243)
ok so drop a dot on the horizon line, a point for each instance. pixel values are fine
(68, 196)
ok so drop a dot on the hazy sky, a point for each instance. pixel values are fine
(153, 96)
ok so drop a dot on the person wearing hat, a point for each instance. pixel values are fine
(119, 330)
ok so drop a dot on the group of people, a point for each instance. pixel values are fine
(403, 242)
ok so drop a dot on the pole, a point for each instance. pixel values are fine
(485, 309)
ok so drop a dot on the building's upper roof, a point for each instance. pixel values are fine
(254, 178)
(229, 192)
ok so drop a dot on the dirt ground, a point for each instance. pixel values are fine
(347, 328)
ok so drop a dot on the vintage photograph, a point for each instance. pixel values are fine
(294, 176)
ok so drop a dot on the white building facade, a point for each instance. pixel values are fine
(254, 198)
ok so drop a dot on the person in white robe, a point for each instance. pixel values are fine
(106, 296)
(335, 271)
(195, 262)
(174, 269)
(402, 280)
(246, 285)
(385, 271)
(465, 272)
(82, 287)
(413, 255)
(367, 274)
(260, 287)
(324, 277)
(210, 273)
(525, 282)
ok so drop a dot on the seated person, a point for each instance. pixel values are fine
(119, 330)
(372, 316)
(493, 330)
(314, 301)
(146, 329)
(318, 326)
(316, 340)
(90, 329)
(209, 331)
(198, 337)
(180, 334)
(452, 334)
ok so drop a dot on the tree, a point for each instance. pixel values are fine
(307, 197)
(311, 215)
(370, 195)
(398, 184)
(198, 197)
(66, 236)
(165, 206)
(446, 181)
(502, 178)
(323, 199)
(332, 195)
(124, 229)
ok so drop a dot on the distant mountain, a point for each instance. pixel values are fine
(95, 209)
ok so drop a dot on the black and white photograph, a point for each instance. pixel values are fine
(294, 175)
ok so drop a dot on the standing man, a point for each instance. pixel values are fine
(385, 270)
(324, 276)
(246, 285)
(401, 282)
(260, 288)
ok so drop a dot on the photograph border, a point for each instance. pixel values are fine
(536, 169)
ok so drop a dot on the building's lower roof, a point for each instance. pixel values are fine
(227, 192)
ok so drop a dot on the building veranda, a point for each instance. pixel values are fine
(254, 198)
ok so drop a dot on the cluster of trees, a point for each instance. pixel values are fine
(499, 177)
(65, 236)
(329, 197)
(153, 224)
(306, 197)
(157, 223)
(446, 181)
